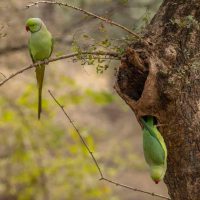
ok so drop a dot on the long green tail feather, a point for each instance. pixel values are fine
(40, 77)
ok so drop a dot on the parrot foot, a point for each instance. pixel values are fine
(46, 61)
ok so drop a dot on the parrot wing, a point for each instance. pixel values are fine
(150, 129)
(153, 148)
(153, 151)
(29, 48)
(52, 45)
(154, 132)
(162, 142)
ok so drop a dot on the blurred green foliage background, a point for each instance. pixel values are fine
(45, 160)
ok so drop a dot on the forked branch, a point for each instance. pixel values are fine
(95, 160)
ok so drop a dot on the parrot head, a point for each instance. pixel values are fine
(157, 173)
(33, 24)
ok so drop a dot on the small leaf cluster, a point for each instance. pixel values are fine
(89, 44)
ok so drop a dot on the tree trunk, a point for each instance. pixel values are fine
(160, 76)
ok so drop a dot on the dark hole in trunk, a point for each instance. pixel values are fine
(155, 121)
(131, 81)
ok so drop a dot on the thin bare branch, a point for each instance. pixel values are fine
(108, 21)
(98, 53)
(2, 74)
(79, 134)
(135, 189)
(95, 160)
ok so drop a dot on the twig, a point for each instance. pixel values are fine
(99, 53)
(83, 141)
(2, 74)
(95, 160)
(108, 21)
(135, 189)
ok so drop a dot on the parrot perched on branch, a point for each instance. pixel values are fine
(155, 151)
(40, 48)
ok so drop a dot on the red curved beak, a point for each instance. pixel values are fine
(27, 28)
(156, 182)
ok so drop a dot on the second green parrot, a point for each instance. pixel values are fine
(40, 47)
(155, 151)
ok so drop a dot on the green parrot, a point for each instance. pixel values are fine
(155, 151)
(40, 48)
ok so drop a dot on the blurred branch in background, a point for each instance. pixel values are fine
(2, 74)
(68, 29)
(148, 4)
(95, 160)
(116, 7)
(108, 21)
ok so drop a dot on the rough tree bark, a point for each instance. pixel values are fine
(160, 76)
